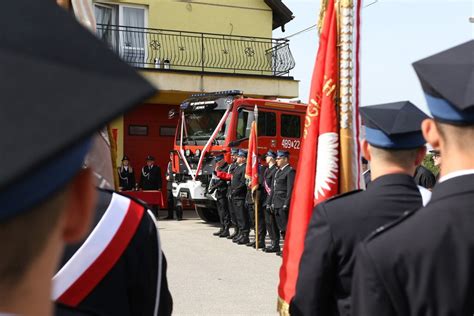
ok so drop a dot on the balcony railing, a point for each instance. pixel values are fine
(165, 49)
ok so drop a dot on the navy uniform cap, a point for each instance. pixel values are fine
(234, 151)
(393, 125)
(242, 153)
(150, 158)
(60, 84)
(219, 158)
(270, 153)
(447, 79)
(125, 158)
(282, 153)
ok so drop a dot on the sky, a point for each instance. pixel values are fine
(394, 34)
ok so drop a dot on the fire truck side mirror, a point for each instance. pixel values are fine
(172, 114)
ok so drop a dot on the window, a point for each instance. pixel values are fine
(138, 130)
(167, 131)
(121, 27)
(290, 126)
(200, 125)
(266, 124)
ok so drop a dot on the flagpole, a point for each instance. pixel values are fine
(348, 96)
(256, 200)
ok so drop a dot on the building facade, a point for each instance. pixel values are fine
(191, 46)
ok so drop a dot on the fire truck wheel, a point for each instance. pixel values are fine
(207, 214)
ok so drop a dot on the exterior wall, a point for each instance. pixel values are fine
(230, 17)
(154, 116)
(190, 49)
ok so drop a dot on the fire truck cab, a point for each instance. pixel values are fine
(213, 123)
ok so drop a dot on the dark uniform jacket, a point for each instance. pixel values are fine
(282, 187)
(170, 175)
(136, 284)
(424, 177)
(150, 178)
(424, 264)
(238, 187)
(230, 170)
(336, 227)
(126, 178)
(219, 185)
(268, 175)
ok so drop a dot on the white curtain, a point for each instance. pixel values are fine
(133, 39)
(105, 29)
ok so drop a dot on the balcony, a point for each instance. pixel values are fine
(166, 50)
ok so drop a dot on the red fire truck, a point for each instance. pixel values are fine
(212, 123)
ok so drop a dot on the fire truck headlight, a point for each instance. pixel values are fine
(187, 152)
(198, 152)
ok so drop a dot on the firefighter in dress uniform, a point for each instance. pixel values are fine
(238, 192)
(423, 263)
(172, 207)
(220, 187)
(395, 147)
(281, 191)
(151, 175)
(126, 175)
(230, 203)
(270, 220)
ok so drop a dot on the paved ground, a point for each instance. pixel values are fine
(208, 275)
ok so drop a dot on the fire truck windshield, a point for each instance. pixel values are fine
(199, 126)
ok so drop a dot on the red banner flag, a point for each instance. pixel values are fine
(318, 165)
(251, 170)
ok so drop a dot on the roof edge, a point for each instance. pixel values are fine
(281, 13)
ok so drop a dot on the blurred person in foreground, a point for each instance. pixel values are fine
(52, 126)
(422, 264)
(394, 145)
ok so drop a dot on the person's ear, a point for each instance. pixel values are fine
(366, 150)
(431, 133)
(79, 207)
(420, 156)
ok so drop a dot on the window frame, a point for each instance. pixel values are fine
(130, 126)
(282, 124)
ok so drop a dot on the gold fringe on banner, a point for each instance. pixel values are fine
(322, 15)
(283, 307)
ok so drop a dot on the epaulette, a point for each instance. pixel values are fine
(342, 195)
(392, 224)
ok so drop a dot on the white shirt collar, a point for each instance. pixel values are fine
(456, 174)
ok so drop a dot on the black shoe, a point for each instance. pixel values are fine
(279, 253)
(237, 238)
(244, 240)
(225, 233)
(217, 233)
(261, 245)
(251, 244)
(179, 219)
(272, 249)
(167, 218)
